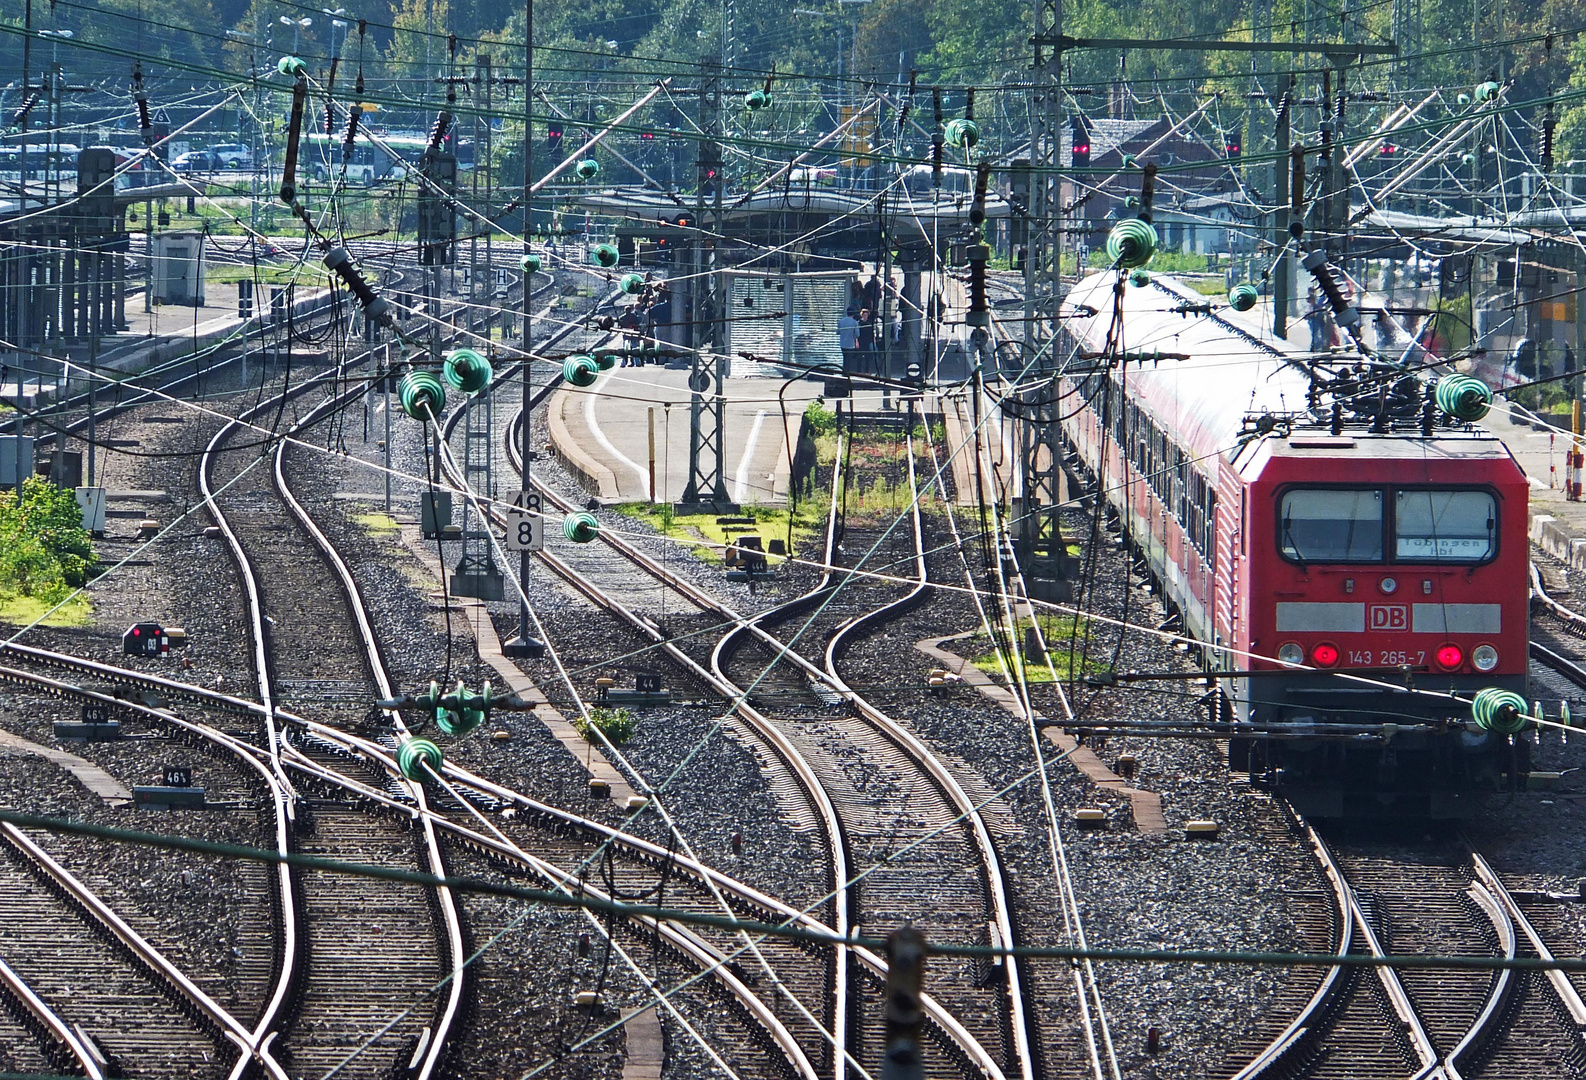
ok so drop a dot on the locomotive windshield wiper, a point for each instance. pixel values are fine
(1288, 539)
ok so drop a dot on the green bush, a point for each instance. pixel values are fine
(618, 725)
(820, 419)
(44, 550)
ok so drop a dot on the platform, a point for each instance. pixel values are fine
(1558, 526)
(602, 435)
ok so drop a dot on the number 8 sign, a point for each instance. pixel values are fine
(525, 526)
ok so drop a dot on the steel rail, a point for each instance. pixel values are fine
(1486, 1022)
(451, 922)
(954, 1031)
(64, 1043)
(1565, 990)
(1277, 1054)
(991, 863)
(1398, 998)
(778, 742)
(875, 965)
(159, 966)
(685, 940)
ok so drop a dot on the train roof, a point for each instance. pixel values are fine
(1230, 369)
(1235, 367)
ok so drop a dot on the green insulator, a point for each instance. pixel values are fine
(1563, 713)
(531, 263)
(604, 255)
(422, 395)
(291, 65)
(462, 711)
(605, 359)
(962, 133)
(1464, 99)
(1131, 243)
(632, 284)
(1140, 278)
(1501, 711)
(587, 169)
(417, 758)
(1128, 161)
(1463, 397)
(580, 370)
(467, 371)
(756, 99)
(1487, 91)
(581, 527)
(1243, 297)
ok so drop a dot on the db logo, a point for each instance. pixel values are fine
(1389, 616)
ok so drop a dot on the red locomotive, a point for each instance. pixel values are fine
(1354, 557)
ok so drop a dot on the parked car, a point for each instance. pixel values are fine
(195, 161)
(233, 156)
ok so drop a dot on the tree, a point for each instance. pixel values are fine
(44, 549)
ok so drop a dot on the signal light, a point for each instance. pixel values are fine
(646, 136)
(553, 136)
(1231, 149)
(1324, 655)
(1081, 146)
(1388, 150)
(1450, 656)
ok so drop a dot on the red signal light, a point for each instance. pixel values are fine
(1450, 656)
(1324, 655)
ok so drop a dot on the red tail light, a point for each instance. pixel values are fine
(1324, 655)
(1450, 657)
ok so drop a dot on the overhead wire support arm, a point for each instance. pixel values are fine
(596, 138)
(1064, 42)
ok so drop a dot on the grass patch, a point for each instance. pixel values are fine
(617, 725)
(709, 539)
(380, 526)
(1057, 631)
(269, 274)
(21, 610)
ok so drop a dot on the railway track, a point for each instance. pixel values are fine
(1430, 897)
(803, 689)
(63, 1004)
(370, 951)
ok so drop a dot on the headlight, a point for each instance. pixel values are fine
(1451, 656)
(1485, 657)
(1291, 653)
(1324, 655)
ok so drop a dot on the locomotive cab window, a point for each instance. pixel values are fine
(1444, 526)
(1331, 525)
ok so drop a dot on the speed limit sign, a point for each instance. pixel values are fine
(525, 526)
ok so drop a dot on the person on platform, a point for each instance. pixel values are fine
(867, 341)
(661, 319)
(848, 339)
